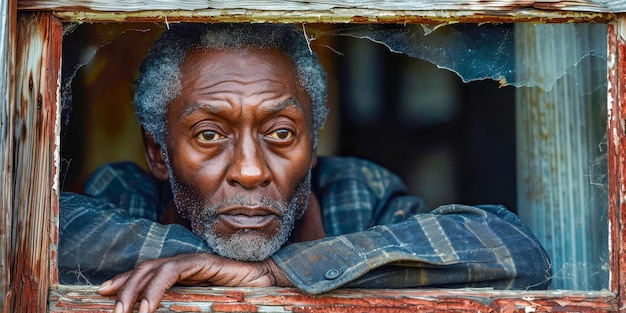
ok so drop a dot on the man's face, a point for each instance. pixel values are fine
(240, 149)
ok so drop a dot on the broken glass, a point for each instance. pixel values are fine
(484, 51)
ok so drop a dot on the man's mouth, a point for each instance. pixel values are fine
(248, 218)
(249, 222)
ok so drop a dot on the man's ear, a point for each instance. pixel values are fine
(314, 161)
(154, 156)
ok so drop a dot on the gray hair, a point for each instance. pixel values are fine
(160, 83)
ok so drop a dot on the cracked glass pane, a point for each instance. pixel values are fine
(485, 51)
(464, 113)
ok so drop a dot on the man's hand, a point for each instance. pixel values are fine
(151, 279)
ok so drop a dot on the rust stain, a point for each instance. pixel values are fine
(234, 307)
(361, 19)
(352, 309)
(186, 308)
(502, 82)
(235, 295)
(231, 296)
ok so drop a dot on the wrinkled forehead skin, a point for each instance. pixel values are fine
(234, 72)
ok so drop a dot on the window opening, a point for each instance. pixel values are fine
(547, 79)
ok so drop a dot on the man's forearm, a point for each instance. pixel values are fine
(455, 246)
(98, 241)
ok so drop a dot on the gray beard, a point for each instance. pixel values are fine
(203, 217)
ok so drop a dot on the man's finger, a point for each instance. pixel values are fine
(136, 284)
(113, 285)
(161, 282)
(145, 306)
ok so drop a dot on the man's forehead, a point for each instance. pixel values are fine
(233, 70)
(269, 107)
(279, 57)
(242, 65)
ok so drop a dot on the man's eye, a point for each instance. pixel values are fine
(209, 136)
(282, 134)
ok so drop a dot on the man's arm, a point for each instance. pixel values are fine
(454, 246)
(98, 240)
(112, 227)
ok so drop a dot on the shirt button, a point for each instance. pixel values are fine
(333, 273)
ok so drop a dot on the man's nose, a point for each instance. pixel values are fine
(249, 167)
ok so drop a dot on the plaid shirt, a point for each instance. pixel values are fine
(378, 235)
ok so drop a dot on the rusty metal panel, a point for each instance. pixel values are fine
(34, 118)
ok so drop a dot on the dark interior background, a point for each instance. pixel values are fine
(451, 142)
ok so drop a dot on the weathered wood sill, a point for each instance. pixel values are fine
(223, 299)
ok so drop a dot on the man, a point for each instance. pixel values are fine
(230, 115)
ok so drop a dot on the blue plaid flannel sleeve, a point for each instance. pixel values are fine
(381, 237)
(111, 228)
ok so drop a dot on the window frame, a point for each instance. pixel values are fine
(30, 154)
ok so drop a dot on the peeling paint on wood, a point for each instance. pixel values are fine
(336, 15)
(216, 299)
(8, 38)
(35, 118)
(617, 158)
(31, 208)
(325, 5)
